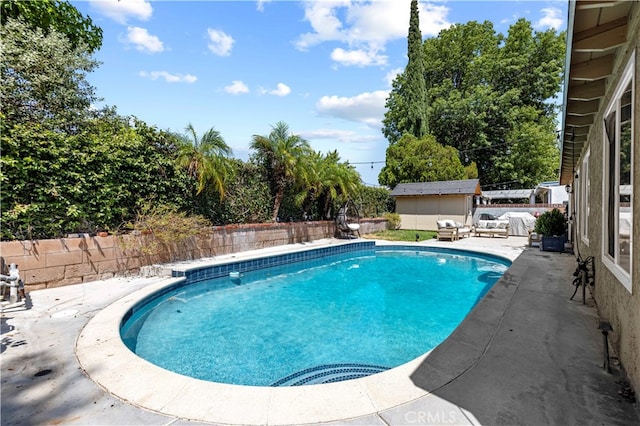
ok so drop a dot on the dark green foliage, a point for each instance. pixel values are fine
(551, 223)
(247, 198)
(54, 14)
(407, 103)
(43, 78)
(420, 160)
(415, 92)
(489, 97)
(374, 202)
(98, 179)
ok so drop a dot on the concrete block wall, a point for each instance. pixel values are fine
(66, 261)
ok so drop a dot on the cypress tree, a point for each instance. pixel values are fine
(415, 91)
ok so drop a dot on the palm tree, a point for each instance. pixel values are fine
(328, 182)
(283, 156)
(206, 159)
(340, 181)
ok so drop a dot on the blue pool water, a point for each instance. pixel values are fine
(342, 317)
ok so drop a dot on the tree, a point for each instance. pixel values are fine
(43, 78)
(483, 90)
(247, 197)
(334, 182)
(206, 159)
(420, 160)
(57, 15)
(282, 155)
(415, 92)
(409, 97)
(98, 178)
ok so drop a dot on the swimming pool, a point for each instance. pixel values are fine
(312, 317)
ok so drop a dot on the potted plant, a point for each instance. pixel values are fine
(552, 226)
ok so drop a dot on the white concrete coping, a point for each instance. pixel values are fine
(106, 360)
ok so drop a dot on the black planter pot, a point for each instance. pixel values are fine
(553, 243)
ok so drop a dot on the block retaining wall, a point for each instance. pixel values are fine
(66, 261)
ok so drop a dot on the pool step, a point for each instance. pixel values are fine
(329, 373)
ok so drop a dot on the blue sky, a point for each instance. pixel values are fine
(323, 67)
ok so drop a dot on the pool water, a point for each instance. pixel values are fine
(336, 319)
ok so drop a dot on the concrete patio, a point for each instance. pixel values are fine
(525, 355)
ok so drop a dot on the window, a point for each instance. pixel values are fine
(617, 182)
(583, 194)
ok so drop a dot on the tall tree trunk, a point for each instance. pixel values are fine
(276, 204)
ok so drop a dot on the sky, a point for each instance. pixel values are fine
(324, 67)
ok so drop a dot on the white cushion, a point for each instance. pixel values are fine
(441, 223)
(450, 223)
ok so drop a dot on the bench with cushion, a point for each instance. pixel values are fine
(492, 228)
(451, 230)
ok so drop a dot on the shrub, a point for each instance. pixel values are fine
(393, 220)
(166, 228)
(551, 223)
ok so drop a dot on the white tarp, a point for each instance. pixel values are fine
(520, 223)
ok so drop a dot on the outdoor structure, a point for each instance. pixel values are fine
(600, 159)
(545, 193)
(552, 193)
(421, 204)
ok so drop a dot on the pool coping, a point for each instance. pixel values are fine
(108, 362)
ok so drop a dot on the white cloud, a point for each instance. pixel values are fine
(168, 77)
(366, 26)
(220, 43)
(121, 11)
(357, 57)
(260, 5)
(552, 18)
(346, 136)
(280, 90)
(236, 87)
(367, 108)
(143, 41)
(391, 75)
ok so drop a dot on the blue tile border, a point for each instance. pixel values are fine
(243, 266)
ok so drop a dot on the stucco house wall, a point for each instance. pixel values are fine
(617, 298)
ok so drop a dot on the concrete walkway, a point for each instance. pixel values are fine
(525, 355)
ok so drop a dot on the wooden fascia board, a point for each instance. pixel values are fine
(601, 38)
(594, 69)
(579, 120)
(583, 107)
(587, 91)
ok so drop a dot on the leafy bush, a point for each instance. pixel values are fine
(551, 223)
(166, 228)
(374, 201)
(393, 220)
(54, 184)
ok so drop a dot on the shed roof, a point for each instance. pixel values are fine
(445, 187)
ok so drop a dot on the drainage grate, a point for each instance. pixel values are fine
(329, 373)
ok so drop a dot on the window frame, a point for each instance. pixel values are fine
(584, 191)
(613, 263)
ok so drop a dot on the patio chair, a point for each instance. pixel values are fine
(447, 230)
(347, 228)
